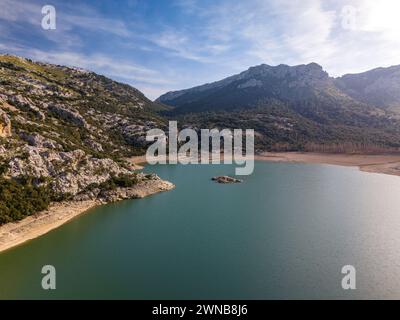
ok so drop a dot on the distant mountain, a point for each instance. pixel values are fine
(298, 107)
(248, 88)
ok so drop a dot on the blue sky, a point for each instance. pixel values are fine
(165, 45)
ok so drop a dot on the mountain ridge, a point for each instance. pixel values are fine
(314, 70)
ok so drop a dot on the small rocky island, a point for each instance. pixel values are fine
(226, 179)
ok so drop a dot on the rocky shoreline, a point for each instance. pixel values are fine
(16, 233)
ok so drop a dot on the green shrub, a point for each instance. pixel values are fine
(121, 181)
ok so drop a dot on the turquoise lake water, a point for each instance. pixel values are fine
(285, 232)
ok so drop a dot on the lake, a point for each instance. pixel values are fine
(285, 232)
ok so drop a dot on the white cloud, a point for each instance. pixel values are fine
(272, 32)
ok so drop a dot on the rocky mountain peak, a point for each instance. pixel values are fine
(259, 76)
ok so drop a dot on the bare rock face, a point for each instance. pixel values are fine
(94, 145)
(5, 125)
(250, 83)
(146, 185)
(26, 104)
(71, 172)
(136, 134)
(226, 179)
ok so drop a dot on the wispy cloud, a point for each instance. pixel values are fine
(71, 22)
(20, 11)
(179, 44)
(268, 31)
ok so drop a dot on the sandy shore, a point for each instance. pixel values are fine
(16, 233)
(386, 164)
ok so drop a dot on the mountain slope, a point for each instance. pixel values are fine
(95, 112)
(63, 135)
(295, 107)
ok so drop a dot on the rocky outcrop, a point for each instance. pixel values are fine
(26, 104)
(94, 145)
(5, 125)
(136, 134)
(226, 179)
(70, 172)
(39, 141)
(138, 191)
